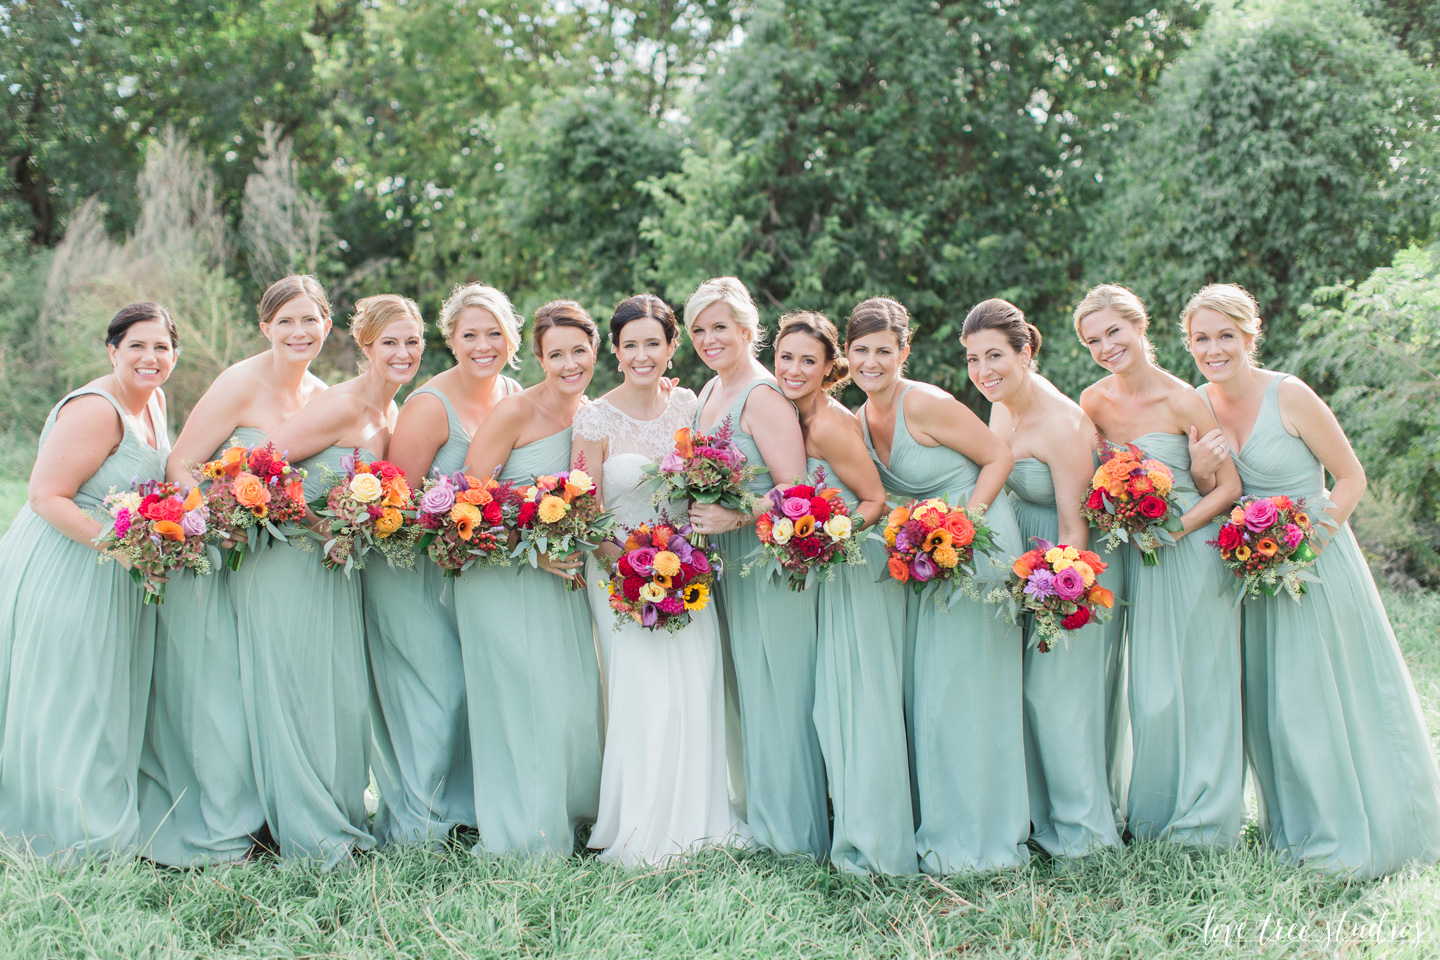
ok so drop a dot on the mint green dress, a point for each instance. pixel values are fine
(772, 633)
(1066, 701)
(860, 710)
(963, 685)
(1187, 781)
(198, 800)
(1339, 747)
(532, 686)
(75, 660)
(306, 689)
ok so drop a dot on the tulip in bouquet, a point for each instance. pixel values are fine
(1131, 500)
(157, 529)
(704, 468)
(255, 490)
(558, 515)
(462, 519)
(1269, 544)
(931, 542)
(806, 531)
(1057, 585)
(662, 577)
(366, 509)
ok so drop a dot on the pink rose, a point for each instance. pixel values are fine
(1069, 583)
(194, 523)
(1260, 514)
(796, 507)
(642, 561)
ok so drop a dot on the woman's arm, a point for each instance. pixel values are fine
(212, 422)
(1221, 489)
(1069, 453)
(496, 437)
(1315, 423)
(770, 419)
(87, 430)
(950, 423)
(421, 429)
(843, 447)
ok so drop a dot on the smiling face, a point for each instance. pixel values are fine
(642, 351)
(1220, 348)
(297, 331)
(994, 366)
(478, 343)
(1113, 341)
(568, 358)
(800, 365)
(395, 354)
(719, 339)
(144, 357)
(876, 360)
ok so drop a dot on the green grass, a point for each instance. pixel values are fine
(12, 498)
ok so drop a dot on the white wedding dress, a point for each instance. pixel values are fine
(662, 780)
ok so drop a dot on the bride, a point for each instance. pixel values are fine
(662, 780)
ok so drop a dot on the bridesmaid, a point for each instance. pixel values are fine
(74, 657)
(963, 669)
(1066, 690)
(1187, 781)
(772, 632)
(532, 678)
(198, 799)
(859, 686)
(303, 673)
(422, 738)
(1342, 759)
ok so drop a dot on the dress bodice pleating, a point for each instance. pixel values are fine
(916, 470)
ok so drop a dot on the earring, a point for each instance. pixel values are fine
(670, 363)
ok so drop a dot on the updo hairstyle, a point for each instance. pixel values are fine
(818, 325)
(641, 307)
(562, 313)
(1009, 321)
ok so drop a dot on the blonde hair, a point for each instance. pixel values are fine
(819, 327)
(732, 293)
(878, 315)
(489, 299)
(1124, 301)
(284, 290)
(374, 314)
(1232, 302)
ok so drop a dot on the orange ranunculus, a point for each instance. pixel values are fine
(1085, 571)
(482, 497)
(899, 569)
(961, 530)
(1101, 597)
(398, 495)
(1267, 547)
(295, 490)
(193, 499)
(684, 446)
(250, 492)
(477, 482)
(939, 537)
(169, 530)
(1021, 568)
(805, 526)
(232, 461)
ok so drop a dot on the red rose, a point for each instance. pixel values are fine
(820, 509)
(168, 509)
(630, 586)
(1096, 501)
(149, 501)
(385, 470)
(804, 493)
(1076, 620)
(810, 547)
(1230, 537)
(527, 514)
(622, 567)
(1153, 507)
(493, 512)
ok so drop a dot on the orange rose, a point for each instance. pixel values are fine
(961, 530)
(683, 445)
(250, 492)
(169, 530)
(899, 569)
(474, 495)
(295, 490)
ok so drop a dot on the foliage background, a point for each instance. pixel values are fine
(821, 150)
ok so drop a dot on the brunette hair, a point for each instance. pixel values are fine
(486, 298)
(640, 307)
(818, 325)
(139, 313)
(1008, 320)
(877, 315)
(562, 313)
(732, 293)
(284, 290)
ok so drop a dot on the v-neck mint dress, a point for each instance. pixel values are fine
(532, 685)
(772, 634)
(1336, 738)
(199, 803)
(860, 709)
(306, 689)
(75, 659)
(1187, 780)
(1067, 693)
(963, 684)
(421, 762)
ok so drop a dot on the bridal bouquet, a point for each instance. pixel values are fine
(703, 468)
(558, 515)
(255, 490)
(462, 519)
(366, 509)
(806, 531)
(1056, 584)
(929, 541)
(1131, 500)
(158, 529)
(662, 577)
(1269, 544)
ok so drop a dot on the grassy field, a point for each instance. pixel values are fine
(1149, 900)
(12, 498)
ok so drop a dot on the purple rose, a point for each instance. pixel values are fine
(672, 463)
(1261, 513)
(642, 560)
(796, 507)
(1069, 583)
(648, 615)
(699, 561)
(1040, 585)
(921, 568)
(438, 499)
(193, 523)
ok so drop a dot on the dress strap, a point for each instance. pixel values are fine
(1204, 391)
(127, 425)
(436, 392)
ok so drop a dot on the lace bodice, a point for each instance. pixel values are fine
(630, 445)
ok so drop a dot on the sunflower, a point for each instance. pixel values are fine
(696, 596)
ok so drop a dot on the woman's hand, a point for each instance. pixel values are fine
(1207, 452)
(566, 569)
(711, 519)
(234, 538)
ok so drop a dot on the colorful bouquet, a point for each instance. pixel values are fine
(806, 531)
(703, 468)
(463, 522)
(929, 541)
(255, 490)
(158, 529)
(559, 515)
(1130, 500)
(1057, 586)
(366, 509)
(1268, 543)
(662, 577)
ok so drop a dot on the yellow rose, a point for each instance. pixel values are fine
(1070, 553)
(366, 487)
(946, 556)
(1086, 571)
(1064, 563)
(667, 564)
(580, 480)
(552, 509)
(1054, 555)
(388, 522)
(652, 592)
(783, 530)
(838, 527)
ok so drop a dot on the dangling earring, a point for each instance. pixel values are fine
(670, 363)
